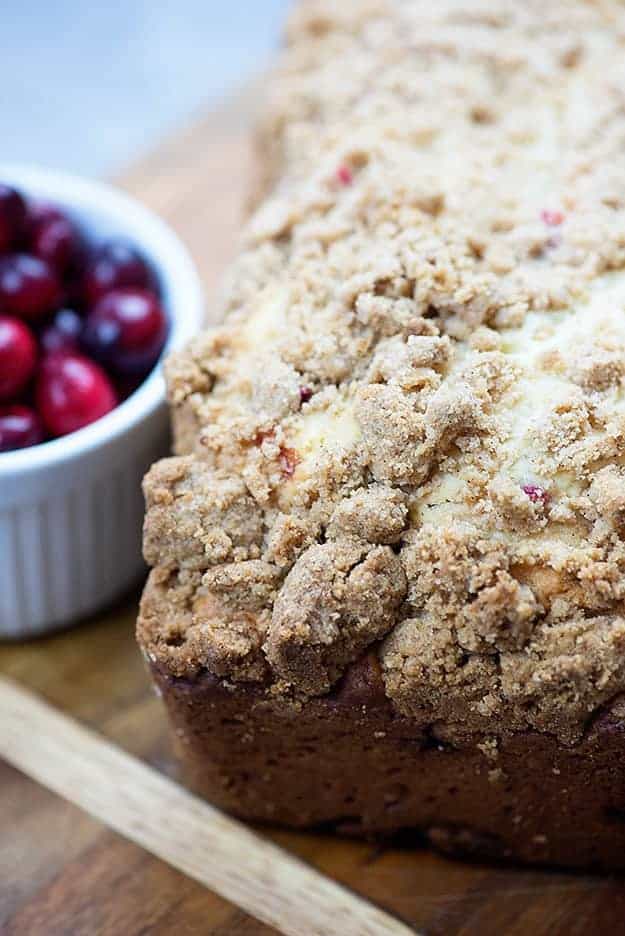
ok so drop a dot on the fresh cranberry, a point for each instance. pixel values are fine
(18, 356)
(39, 212)
(72, 392)
(126, 385)
(63, 332)
(305, 394)
(12, 217)
(29, 287)
(115, 265)
(126, 331)
(53, 236)
(19, 427)
(56, 241)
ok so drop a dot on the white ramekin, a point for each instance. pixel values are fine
(71, 510)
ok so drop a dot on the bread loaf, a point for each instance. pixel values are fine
(402, 453)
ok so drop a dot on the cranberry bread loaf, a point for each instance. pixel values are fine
(387, 587)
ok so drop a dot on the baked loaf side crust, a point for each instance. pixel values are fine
(348, 762)
(408, 434)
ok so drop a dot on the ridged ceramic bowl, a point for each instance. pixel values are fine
(71, 509)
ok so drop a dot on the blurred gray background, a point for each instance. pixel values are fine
(89, 85)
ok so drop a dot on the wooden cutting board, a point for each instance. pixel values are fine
(62, 872)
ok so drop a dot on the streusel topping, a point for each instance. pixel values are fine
(409, 430)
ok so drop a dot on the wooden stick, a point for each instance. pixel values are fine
(153, 811)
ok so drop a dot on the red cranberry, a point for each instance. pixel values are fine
(305, 394)
(19, 427)
(552, 218)
(115, 265)
(345, 175)
(63, 333)
(54, 237)
(12, 217)
(39, 212)
(55, 240)
(126, 385)
(18, 356)
(536, 493)
(126, 330)
(72, 392)
(29, 287)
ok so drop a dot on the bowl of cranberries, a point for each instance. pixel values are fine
(94, 290)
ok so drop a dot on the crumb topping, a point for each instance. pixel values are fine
(409, 431)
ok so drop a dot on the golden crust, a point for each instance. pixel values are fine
(416, 403)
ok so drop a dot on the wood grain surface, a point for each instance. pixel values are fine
(63, 872)
(157, 813)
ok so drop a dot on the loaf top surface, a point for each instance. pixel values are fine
(409, 432)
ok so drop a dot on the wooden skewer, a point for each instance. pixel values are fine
(153, 811)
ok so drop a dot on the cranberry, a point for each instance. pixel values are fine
(63, 333)
(126, 331)
(56, 241)
(72, 392)
(54, 237)
(12, 217)
(536, 493)
(125, 386)
(552, 218)
(29, 287)
(345, 175)
(115, 265)
(39, 212)
(18, 356)
(19, 427)
(305, 394)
